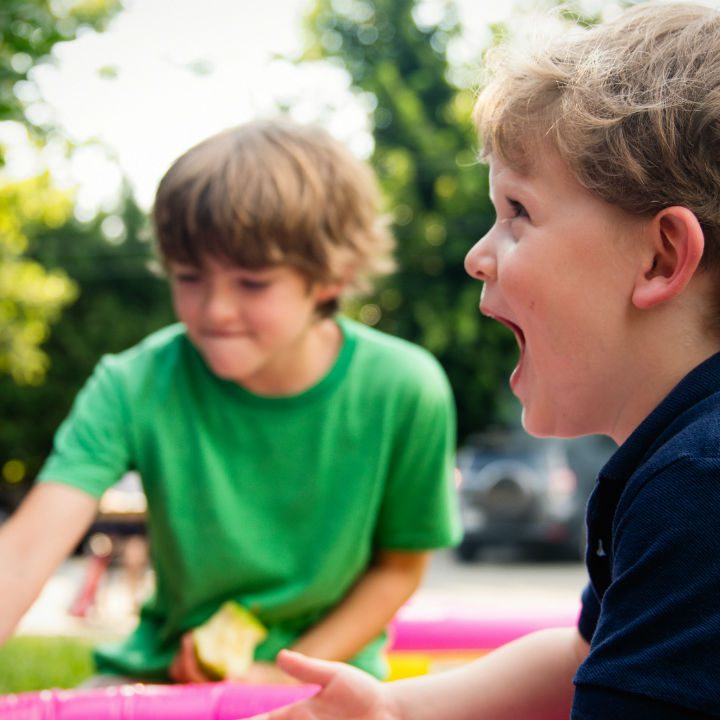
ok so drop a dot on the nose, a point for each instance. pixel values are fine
(480, 262)
(219, 305)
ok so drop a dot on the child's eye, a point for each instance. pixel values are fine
(186, 278)
(253, 285)
(518, 209)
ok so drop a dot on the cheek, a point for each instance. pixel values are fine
(281, 307)
(184, 304)
(522, 281)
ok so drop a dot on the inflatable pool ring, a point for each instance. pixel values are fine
(428, 636)
(209, 701)
(424, 637)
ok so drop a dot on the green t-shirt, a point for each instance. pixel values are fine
(276, 502)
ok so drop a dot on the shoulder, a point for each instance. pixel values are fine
(164, 346)
(680, 479)
(150, 367)
(689, 447)
(396, 370)
(396, 357)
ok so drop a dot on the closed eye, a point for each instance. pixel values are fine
(186, 278)
(253, 285)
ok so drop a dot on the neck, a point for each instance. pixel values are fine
(663, 354)
(313, 355)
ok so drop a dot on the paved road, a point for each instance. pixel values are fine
(503, 579)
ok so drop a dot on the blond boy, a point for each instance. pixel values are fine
(293, 460)
(604, 154)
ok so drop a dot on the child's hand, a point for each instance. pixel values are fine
(185, 667)
(265, 673)
(346, 693)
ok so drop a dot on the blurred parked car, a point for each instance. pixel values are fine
(527, 492)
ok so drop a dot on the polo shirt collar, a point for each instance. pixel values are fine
(700, 383)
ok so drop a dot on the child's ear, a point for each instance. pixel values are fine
(675, 248)
(328, 291)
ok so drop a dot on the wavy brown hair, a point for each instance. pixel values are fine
(631, 105)
(273, 192)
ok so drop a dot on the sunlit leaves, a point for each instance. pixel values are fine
(436, 191)
(31, 297)
(28, 31)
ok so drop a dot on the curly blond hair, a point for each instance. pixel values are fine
(274, 192)
(632, 106)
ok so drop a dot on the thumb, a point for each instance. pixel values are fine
(307, 670)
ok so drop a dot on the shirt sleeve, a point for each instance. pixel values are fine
(91, 448)
(420, 507)
(658, 629)
(589, 613)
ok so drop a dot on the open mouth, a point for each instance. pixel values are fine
(519, 334)
(520, 339)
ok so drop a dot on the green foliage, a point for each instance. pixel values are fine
(120, 301)
(117, 300)
(436, 191)
(30, 297)
(30, 663)
(29, 29)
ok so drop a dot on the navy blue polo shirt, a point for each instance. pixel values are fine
(651, 611)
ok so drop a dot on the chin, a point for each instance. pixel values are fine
(555, 427)
(224, 371)
(225, 375)
(543, 426)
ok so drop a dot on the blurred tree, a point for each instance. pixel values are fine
(425, 157)
(120, 302)
(31, 297)
(29, 30)
(117, 299)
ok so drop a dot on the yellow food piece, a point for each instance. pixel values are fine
(225, 643)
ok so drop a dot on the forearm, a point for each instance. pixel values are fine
(367, 609)
(530, 678)
(34, 541)
(17, 590)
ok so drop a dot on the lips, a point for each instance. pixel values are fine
(221, 334)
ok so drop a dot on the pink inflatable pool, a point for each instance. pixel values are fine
(423, 625)
(425, 637)
(429, 637)
(212, 701)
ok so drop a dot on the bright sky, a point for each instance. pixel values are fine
(136, 87)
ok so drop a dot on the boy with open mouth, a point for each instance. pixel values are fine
(604, 152)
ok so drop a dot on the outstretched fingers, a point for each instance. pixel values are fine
(308, 670)
(346, 693)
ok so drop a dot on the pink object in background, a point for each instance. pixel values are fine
(425, 627)
(430, 626)
(211, 701)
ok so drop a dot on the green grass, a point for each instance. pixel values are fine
(37, 662)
